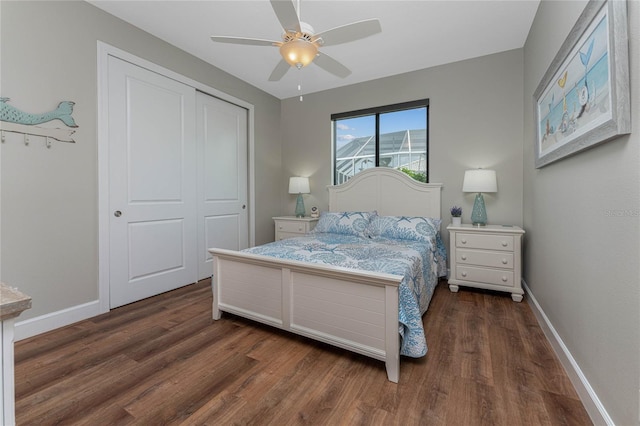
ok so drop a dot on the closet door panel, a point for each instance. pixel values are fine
(152, 183)
(222, 178)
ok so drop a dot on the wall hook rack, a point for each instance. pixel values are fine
(17, 121)
(49, 134)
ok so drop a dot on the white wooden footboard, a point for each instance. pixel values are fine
(354, 310)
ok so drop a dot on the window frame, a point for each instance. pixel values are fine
(377, 111)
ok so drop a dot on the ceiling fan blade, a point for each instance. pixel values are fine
(286, 12)
(329, 64)
(349, 32)
(279, 71)
(244, 40)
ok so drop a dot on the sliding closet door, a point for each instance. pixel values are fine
(222, 178)
(152, 183)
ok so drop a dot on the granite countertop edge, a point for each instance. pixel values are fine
(12, 302)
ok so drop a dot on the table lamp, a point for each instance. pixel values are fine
(479, 181)
(299, 185)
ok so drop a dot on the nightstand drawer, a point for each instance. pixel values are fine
(485, 258)
(284, 235)
(484, 241)
(291, 226)
(491, 276)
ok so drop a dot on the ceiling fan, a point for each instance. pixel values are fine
(300, 46)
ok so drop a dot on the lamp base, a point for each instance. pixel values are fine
(479, 213)
(300, 212)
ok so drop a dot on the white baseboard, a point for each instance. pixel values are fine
(587, 395)
(34, 326)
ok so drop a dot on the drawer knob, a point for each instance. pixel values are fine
(504, 279)
(464, 274)
(280, 227)
(504, 261)
(463, 241)
(463, 257)
(300, 229)
(504, 244)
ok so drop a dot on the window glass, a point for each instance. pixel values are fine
(393, 136)
(355, 146)
(403, 142)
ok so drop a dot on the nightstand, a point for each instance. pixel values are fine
(486, 257)
(291, 226)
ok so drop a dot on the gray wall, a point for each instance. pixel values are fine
(582, 261)
(49, 196)
(475, 117)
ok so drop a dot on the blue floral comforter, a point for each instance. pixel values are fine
(419, 262)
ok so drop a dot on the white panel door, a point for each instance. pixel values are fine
(222, 178)
(152, 183)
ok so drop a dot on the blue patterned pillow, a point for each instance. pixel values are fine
(404, 227)
(345, 223)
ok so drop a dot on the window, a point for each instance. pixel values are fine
(391, 136)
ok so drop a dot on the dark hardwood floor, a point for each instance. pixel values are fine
(164, 361)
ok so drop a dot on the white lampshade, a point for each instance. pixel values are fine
(480, 180)
(298, 185)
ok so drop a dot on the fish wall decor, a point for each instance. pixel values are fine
(14, 120)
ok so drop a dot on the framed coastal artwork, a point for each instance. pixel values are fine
(583, 98)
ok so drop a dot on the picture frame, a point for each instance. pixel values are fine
(583, 98)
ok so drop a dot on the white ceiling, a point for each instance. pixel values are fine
(416, 34)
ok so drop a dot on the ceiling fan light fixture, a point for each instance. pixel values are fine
(300, 45)
(299, 53)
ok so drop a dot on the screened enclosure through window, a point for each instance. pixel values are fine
(393, 136)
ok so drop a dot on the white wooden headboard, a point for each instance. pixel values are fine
(389, 191)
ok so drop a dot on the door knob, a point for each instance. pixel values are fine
(117, 213)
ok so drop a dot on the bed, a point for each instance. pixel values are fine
(304, 292)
